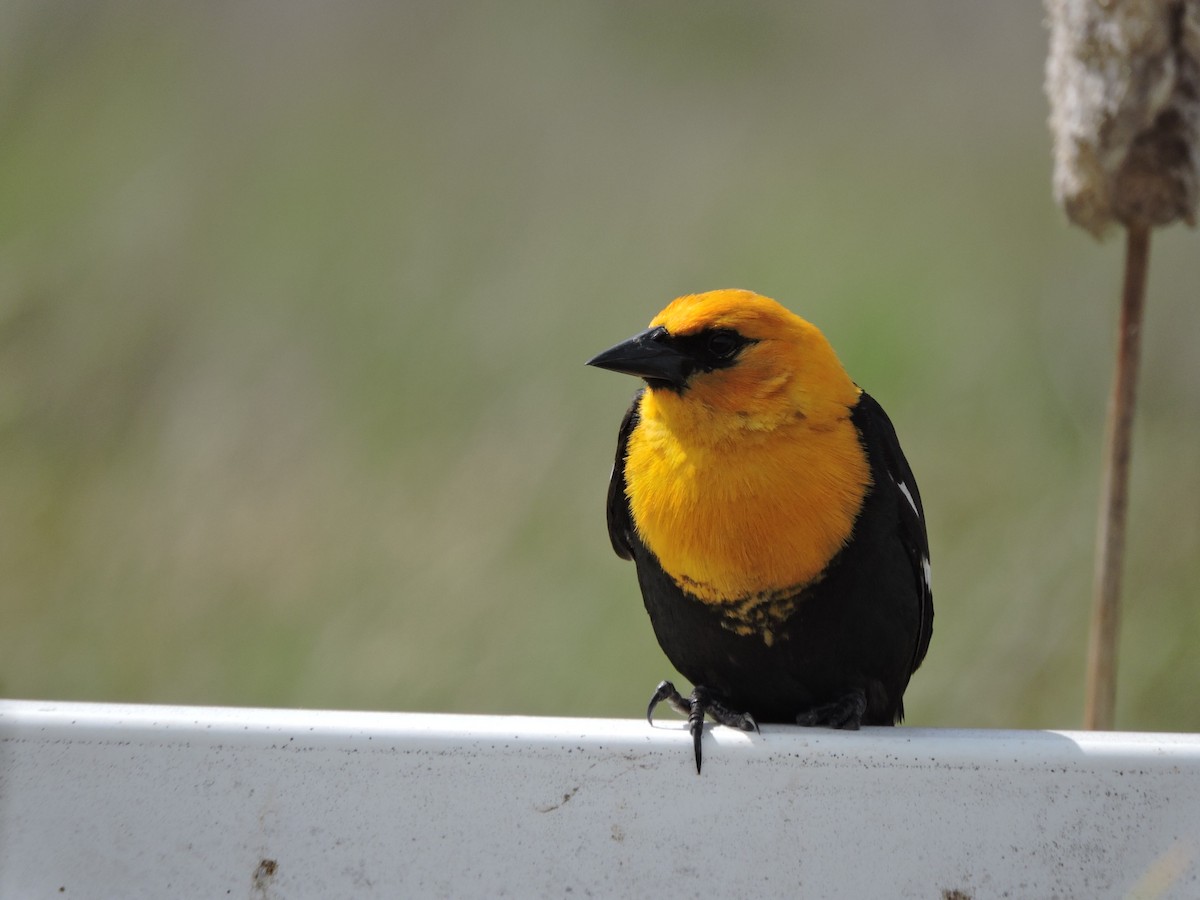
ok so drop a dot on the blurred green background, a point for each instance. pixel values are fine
(295, 299)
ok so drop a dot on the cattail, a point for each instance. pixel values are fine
(1123, 78)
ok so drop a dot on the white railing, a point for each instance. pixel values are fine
(114, 801)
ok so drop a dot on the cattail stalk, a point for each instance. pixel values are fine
(1123, 79)
(1100, 697)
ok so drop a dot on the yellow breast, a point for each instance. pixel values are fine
(748, 516)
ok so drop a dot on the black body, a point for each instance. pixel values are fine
(861, 629)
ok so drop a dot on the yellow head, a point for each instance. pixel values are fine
(786, 371)
(729, 362)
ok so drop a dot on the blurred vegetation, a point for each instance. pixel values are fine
(295, 299)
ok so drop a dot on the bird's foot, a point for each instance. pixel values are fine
(696, 707)
(846, 712)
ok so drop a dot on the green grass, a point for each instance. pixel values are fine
(293, 311)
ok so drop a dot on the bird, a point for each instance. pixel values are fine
(776, 527)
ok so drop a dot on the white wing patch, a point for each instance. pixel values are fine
(926, 569)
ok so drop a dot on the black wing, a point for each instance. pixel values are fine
(912, 516)
(620, 520)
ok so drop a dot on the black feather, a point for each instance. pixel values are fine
(620, 520)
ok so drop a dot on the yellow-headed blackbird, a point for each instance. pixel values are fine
(776, 527)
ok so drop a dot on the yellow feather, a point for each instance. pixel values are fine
(746, 484)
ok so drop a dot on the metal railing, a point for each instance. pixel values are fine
(160, 802)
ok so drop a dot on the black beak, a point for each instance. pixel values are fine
(650, 356)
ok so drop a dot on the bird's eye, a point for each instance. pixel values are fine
(723, 344)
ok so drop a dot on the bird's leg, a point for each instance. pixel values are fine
(846, 712)
(696, 707)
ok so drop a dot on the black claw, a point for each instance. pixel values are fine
(695, 708)
(700, 705)
(666, 691)
(659, 695)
